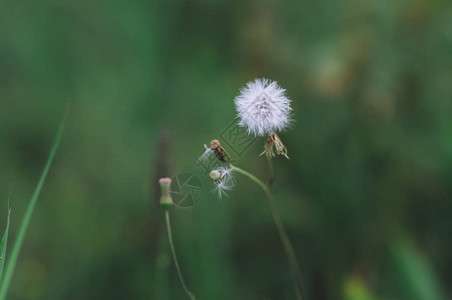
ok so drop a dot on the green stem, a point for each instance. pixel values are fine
(162, 266)
(179, 273)
(271, 176)
(293, 262)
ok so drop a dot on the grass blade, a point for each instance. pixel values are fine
(417, 279)
(4, 241)
(10, 266)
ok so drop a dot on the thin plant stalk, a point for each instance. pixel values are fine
(173, 251)
(162, 266)
(10, 266)
(271, 176)
(293, 262)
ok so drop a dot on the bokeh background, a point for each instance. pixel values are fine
(365, 196)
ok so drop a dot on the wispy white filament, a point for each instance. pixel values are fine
(225, 183)
(263, 107)
(205, 154)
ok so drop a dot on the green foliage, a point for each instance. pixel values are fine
(414, 273)
(370, 149)
(4, 241)
(11, 265)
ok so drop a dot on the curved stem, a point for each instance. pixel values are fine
(293, 262)
(179, 273)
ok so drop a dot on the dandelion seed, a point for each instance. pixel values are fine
(263, 107)
(223, 180)
(206, 153)
(221, 189)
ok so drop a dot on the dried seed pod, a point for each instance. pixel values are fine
(273, 141)
(219, 151)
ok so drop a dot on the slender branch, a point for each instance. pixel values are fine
(179, 273)
(293, 262)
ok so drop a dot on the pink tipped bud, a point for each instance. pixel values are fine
(165, 180)
(165, 199)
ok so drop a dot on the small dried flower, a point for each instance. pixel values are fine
(273, 141)
(219, 152)
(263, 107)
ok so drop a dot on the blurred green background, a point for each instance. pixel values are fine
(365, 196)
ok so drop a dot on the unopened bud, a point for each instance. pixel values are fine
(165, 198)
(215, 175)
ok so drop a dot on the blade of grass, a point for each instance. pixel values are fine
(414, 271)
(10, 266)
(4, 241)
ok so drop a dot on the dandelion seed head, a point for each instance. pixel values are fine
(263, 107)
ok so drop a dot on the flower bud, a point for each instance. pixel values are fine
(165, 198)
(215, 175)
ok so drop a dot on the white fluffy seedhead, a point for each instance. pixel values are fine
(263, 107)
